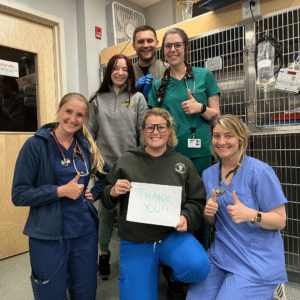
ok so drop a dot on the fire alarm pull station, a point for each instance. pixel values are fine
(288, 80)
(98, 33)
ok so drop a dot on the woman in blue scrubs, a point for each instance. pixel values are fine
(247, 207)
(51, 176)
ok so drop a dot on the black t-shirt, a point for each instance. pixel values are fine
(145, 69)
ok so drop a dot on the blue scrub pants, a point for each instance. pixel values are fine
(69, 263)
(139, 264)
(222, 285)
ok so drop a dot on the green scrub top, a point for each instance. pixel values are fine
(176, 92)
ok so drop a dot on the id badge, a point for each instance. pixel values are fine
(194, 143)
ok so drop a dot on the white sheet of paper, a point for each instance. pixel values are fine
(154, 204)
(9, 68)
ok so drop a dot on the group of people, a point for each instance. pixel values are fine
(152, 123)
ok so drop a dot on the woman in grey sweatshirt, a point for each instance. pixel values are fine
(117, 110)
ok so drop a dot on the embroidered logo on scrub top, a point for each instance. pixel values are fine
(180, 168)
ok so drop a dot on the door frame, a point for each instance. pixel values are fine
(57, 25)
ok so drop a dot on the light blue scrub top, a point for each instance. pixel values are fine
(246, 249)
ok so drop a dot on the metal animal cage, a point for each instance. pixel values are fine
(274, 123)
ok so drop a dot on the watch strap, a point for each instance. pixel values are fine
(203, 109)
(257, 218)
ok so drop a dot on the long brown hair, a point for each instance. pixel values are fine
(104, 87)
(98, 161)
(160, 93)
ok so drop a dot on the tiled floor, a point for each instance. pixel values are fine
(15, 283)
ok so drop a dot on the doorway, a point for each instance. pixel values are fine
(40, 38)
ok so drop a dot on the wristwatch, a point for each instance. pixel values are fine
(203, 109)
(257, 218)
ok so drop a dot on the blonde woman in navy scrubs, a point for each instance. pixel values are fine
(247, 207)
(51, 176)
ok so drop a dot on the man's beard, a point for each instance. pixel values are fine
(141, 57)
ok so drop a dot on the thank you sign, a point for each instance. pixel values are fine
(154, 204)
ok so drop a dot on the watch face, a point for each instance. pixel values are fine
(258, 218)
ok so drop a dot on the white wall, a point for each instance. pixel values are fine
(161, 14)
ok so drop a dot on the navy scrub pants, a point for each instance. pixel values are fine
(69, 263)
(139, 264)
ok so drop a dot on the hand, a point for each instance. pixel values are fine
(182, 225)
(89, 195)
(211, 206)
(121, 187)
(71, 190)
(191, 106)
(239, 212)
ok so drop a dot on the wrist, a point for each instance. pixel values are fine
(60, 191)
(112, 193)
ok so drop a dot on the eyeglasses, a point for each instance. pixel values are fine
(160, 127)
(177, 46)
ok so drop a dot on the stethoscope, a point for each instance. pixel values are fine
(194, 84)
(219, 190)
(65, 161)
(186, 76)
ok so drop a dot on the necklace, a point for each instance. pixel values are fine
(65, 161)
(219, 190)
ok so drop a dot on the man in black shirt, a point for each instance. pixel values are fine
(145, 44)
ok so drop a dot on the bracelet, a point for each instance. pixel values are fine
(203, 109)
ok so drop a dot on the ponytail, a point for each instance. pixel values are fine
(98, 161)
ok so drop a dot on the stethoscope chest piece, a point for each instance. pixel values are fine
(65, 162)
(219, 191)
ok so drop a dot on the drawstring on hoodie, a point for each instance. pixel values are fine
(154, 244)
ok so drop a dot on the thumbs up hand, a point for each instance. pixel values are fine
(211, 206)
(71, 190)
(239, 212)
(191, 106)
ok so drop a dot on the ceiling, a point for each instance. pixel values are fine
(144, 3)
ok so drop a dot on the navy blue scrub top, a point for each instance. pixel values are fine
(77, 219)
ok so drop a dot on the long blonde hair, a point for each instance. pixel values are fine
(156, 111)
(98, 161)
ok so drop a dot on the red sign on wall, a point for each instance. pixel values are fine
(98, 33)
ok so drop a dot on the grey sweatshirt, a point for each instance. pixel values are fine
(114, 125)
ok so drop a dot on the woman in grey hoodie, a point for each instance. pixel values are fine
(117, 110)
